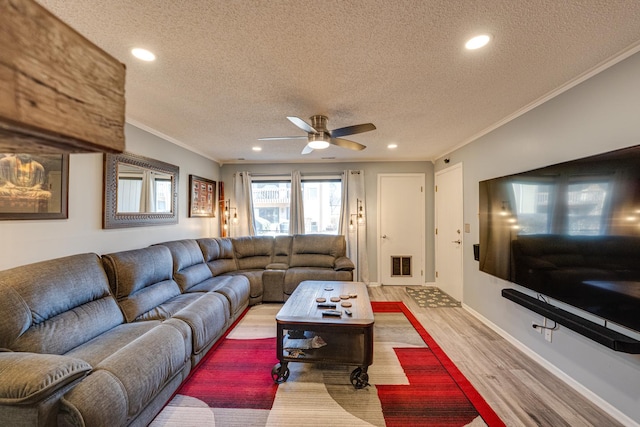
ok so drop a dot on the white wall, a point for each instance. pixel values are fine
(23, 242)
(599, 115)
(371, 171)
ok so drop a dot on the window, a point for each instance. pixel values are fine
(322, 205)
(322, 198)
(271, 201)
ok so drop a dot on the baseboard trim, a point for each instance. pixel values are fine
(584, 391)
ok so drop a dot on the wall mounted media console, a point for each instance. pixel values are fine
(598, 333)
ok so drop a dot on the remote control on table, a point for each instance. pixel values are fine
(326, 305)
(347, 312)
(335, 313)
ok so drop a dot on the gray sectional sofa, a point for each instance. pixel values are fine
(90, 340)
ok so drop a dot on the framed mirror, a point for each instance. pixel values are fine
(139, 191)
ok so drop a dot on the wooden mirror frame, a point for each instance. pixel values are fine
(111, 217)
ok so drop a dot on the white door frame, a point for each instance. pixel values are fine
(422, 230)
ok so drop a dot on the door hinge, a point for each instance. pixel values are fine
(421, 189)
(436, 188)
(421, 272)
(436, 274)
(436, 231)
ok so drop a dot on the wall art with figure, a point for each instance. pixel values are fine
(34, 186)
(202, 197)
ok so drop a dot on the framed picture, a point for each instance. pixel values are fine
(34, 186)
(202, 197)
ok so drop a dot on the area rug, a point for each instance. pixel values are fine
(412, 382)
(431, 297)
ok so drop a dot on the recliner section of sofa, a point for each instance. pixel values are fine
(276, 266)
(61, 316)
(142, 282)
(193, 275)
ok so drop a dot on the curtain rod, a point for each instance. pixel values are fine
(301, 173)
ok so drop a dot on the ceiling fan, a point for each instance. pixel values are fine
(319, 137)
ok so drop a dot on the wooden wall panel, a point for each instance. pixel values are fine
(58, 91)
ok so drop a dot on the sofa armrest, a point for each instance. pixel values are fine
(277, 266)
(343, 264)
(28, 378)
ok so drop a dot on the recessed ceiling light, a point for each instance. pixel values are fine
(478, 41)
(143, 54)
(392, 146)
(257, 148)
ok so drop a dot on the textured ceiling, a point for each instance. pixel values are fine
(229, 72)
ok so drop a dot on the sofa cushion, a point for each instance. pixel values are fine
(123, 383)
(208, 318)
(218, 254)
(316, 250)
(141, 279)
(205, 313)
(253, 252)
(234, 287)
(53, 306)
(282, 249)
(189, 268)
(255, 283)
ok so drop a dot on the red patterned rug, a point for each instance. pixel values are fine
(413, 382)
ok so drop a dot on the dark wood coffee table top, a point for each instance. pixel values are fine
(302, 307)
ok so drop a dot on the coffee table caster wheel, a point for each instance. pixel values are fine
(359, 378)
(279, 373)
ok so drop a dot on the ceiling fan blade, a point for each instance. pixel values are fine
(352, 130)
(307, 149)
(302, 124)
(345, 143)
(274, 138)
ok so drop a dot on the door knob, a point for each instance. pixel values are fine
(384, 236)
(456, 241)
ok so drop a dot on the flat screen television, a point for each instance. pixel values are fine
(569, 232)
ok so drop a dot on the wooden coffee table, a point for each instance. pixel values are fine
(348, 338)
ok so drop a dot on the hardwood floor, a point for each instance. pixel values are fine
(519, 390)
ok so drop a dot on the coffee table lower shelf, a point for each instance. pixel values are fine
(345, 345)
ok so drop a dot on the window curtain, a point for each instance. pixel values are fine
(355, 232)
(296, 208)
(147, 193)
(244, 206)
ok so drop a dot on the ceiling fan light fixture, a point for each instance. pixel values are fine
(318, 141)
(318, 145)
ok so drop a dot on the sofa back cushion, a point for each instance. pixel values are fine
(316, 250)
(282, 249)
(218, 254)
(54, 306)
(189, 268)
(253, 252)
(141, 279)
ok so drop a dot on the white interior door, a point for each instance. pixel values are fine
(401, 229)
(449, 230)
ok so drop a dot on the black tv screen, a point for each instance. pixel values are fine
(569, 232)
